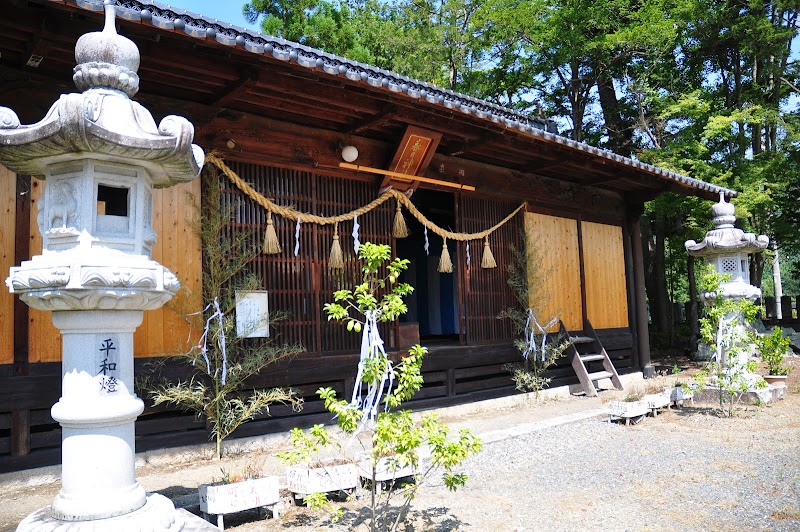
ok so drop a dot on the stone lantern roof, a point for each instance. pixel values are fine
(725, 238)
(102, 122)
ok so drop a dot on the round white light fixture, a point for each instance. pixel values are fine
(349, 153)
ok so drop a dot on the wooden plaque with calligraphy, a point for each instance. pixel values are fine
(412, 157)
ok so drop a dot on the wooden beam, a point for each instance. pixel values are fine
(406, 177)
(235, 90)
(20, 432)
(358, 127)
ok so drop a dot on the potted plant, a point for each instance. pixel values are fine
(306, 474)
(656, 394)
(239, 492)
(631, 407)
(772, 348)
(682, 391)
(224, 358)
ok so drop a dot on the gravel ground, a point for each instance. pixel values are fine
(685, 469)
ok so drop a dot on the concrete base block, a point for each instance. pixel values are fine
(771, 393)
(157, 515)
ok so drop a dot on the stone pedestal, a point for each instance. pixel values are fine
(97, 411)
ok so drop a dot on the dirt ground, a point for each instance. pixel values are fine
(686, 468)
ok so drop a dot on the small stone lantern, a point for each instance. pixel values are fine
(726, 248)
(101, 155)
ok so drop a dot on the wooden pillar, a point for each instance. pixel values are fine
(20, 432)
(641, 300)
(786, 307)
(769, 305)
(628, 243)
(21, 253)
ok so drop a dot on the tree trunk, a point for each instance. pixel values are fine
(693, 317)
(756, 269)
(620, 134)
(661, 301)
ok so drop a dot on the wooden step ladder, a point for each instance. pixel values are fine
(585, 350)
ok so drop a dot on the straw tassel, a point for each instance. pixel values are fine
(271, 244)
(488, 259)
(445, 264)
(336, 261)
(400, 227)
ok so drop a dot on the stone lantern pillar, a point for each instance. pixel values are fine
(726, 248)
(101, 155)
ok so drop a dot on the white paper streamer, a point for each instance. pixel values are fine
(297, 238)
(725, 336)
(531, 326)
(427, 244)
(468, 259)
(203, 343)
(371, 349)
(356, 243)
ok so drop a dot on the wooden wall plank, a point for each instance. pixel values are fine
(552, 250)
(165, 331)
(606, 290)
(8, 208)
(44, 340)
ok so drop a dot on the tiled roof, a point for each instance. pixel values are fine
(198, 26)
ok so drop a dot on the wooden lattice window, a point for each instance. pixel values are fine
(486, 291)
(302, 284)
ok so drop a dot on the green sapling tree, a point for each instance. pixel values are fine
(389, 438)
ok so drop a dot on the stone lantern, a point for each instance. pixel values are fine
(726, 248)
(101, 155)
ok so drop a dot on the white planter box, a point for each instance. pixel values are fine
(657, 400)
(303, 480)
(680, 394)
(222, 499)
(628, 409)
(385, 470)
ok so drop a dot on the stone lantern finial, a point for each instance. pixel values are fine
(724, 213)
(106, 59)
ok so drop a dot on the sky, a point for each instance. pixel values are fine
(229, 11)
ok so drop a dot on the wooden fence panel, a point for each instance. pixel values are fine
(604, 267)
(8, 210)
(554, 280)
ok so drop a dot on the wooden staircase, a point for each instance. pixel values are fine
(584, 351)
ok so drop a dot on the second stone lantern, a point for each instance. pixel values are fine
(101, 155)
(727, 249)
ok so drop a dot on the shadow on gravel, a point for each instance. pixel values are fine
(689, 411)
(433, 519)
